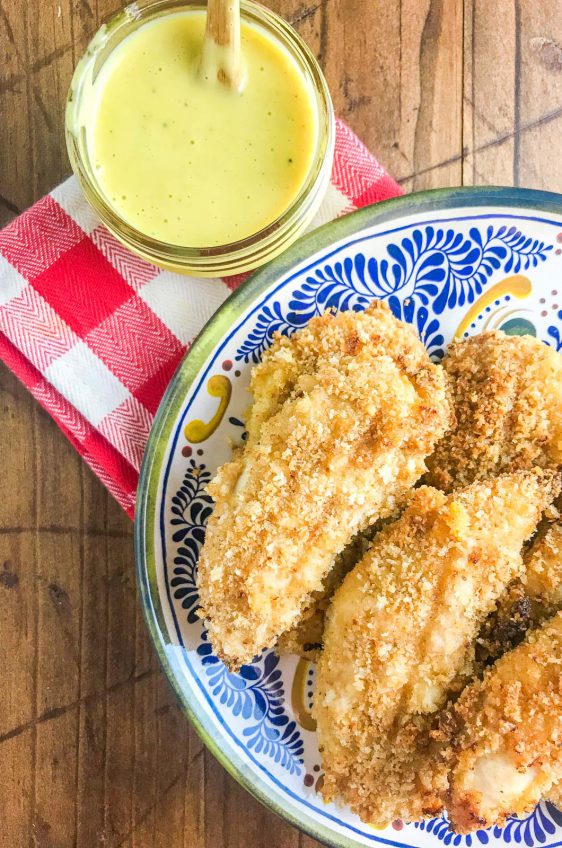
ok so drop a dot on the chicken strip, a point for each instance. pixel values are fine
(507, 751)
(400, 636)
(333, 455)
(528, 601)
(507, 392)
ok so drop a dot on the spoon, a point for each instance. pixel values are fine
(221, 57)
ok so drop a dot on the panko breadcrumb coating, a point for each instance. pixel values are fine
(507, 393)
(400, 636)
(306, 637)
(505, 627)
(543, 572)
(333, 443)
(554, 795)
(506, 751)
(528, 601)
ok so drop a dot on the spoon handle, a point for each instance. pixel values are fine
(222, 59)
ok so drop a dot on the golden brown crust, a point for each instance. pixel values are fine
(506, 626)
(506, 751)
(543, 572)
(528, 601)
(306, 638)
(507, 394)
(357, 410)
(400, 634)
(554, 795)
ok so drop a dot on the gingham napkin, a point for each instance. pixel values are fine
(95, 333)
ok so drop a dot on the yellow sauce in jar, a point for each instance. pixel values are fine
(190, 162)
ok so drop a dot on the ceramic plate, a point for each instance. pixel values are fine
(452, 263)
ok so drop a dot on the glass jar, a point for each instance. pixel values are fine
(236, 257)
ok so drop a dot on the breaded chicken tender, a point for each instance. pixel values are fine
(400, 636)
(333, 444)
(529, 600)
(507, 393)
(507, 748)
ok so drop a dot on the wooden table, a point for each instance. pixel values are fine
(93, 749)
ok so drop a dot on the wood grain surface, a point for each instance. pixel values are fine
(93, 749)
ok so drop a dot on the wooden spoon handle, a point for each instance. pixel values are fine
(222, 57)
(223, 21)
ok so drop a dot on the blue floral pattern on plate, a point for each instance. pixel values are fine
(534, 829)
(432, 269)
(256, 694)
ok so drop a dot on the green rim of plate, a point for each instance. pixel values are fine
(166, 415)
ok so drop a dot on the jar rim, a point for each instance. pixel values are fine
(255, 249)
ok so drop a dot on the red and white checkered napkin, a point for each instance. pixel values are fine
(95, 333)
